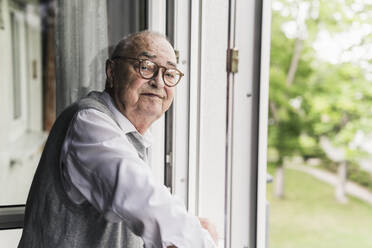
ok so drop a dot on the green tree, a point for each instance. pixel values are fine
(309, 98)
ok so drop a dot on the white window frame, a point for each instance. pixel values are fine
(262, 221)
(19, 125)
(179, 157)
(157, 22)
(189, 17)
(249, 121)
(11, 216)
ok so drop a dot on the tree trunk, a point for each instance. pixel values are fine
(294, 61)
(279, 182)
(341, 182)
(274, 111)
(279, 174)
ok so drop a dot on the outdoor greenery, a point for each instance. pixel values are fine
(320, 106)
(310, 216)
(313, 96)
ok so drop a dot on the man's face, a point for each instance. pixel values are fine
(144, 99)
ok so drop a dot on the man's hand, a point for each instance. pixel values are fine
(210, 227)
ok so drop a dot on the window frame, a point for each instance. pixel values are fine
(187, 114)
(156, 21)
(11, 216)
(189, 16)
(19, 123)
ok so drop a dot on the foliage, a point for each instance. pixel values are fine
(359, 176)
(324, 98)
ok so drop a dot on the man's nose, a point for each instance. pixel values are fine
(158, 80)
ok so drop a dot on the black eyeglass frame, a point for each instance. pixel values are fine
(155, 72)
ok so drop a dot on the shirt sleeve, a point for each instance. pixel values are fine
(105, 168)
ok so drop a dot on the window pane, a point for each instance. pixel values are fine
(28, 93)
(86, 33)
(28, 33)
(33, 37)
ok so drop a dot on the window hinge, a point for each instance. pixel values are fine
(168, 159)
(232, 60)
(177, 55)
(168, 171)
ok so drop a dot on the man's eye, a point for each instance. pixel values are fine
(170, 75)
(144, 68)
(147, 66)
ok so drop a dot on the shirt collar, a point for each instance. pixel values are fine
(125, 124)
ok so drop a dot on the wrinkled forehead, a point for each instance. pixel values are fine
(152, 47)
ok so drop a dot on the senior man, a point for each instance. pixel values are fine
(93, 186)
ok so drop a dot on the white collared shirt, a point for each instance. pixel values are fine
(105, 164)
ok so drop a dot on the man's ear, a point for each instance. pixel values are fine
(109, 71)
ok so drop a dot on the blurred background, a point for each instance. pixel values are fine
(320, 124)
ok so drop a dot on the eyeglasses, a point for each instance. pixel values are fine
(148, 70)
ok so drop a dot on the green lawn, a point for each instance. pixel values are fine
(309, 216)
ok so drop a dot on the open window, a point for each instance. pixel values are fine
(40, 77)
(217, 153)
(210, 148)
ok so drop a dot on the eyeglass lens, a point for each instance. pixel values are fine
(148, 69)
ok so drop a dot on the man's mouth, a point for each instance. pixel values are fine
(152, 95)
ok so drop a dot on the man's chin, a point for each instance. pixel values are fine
(153, 110)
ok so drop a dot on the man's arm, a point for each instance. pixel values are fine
(104, 167)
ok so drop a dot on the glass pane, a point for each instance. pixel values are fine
(49, 56)
(86, 32)
(28, 32)
(28, 93)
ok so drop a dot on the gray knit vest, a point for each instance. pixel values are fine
(52, 220)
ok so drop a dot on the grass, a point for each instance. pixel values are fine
(310, 217)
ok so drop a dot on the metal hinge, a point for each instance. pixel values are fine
(232, 60)
(168, 171)
(177, 55)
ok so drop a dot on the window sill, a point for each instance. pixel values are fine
(11, 217)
